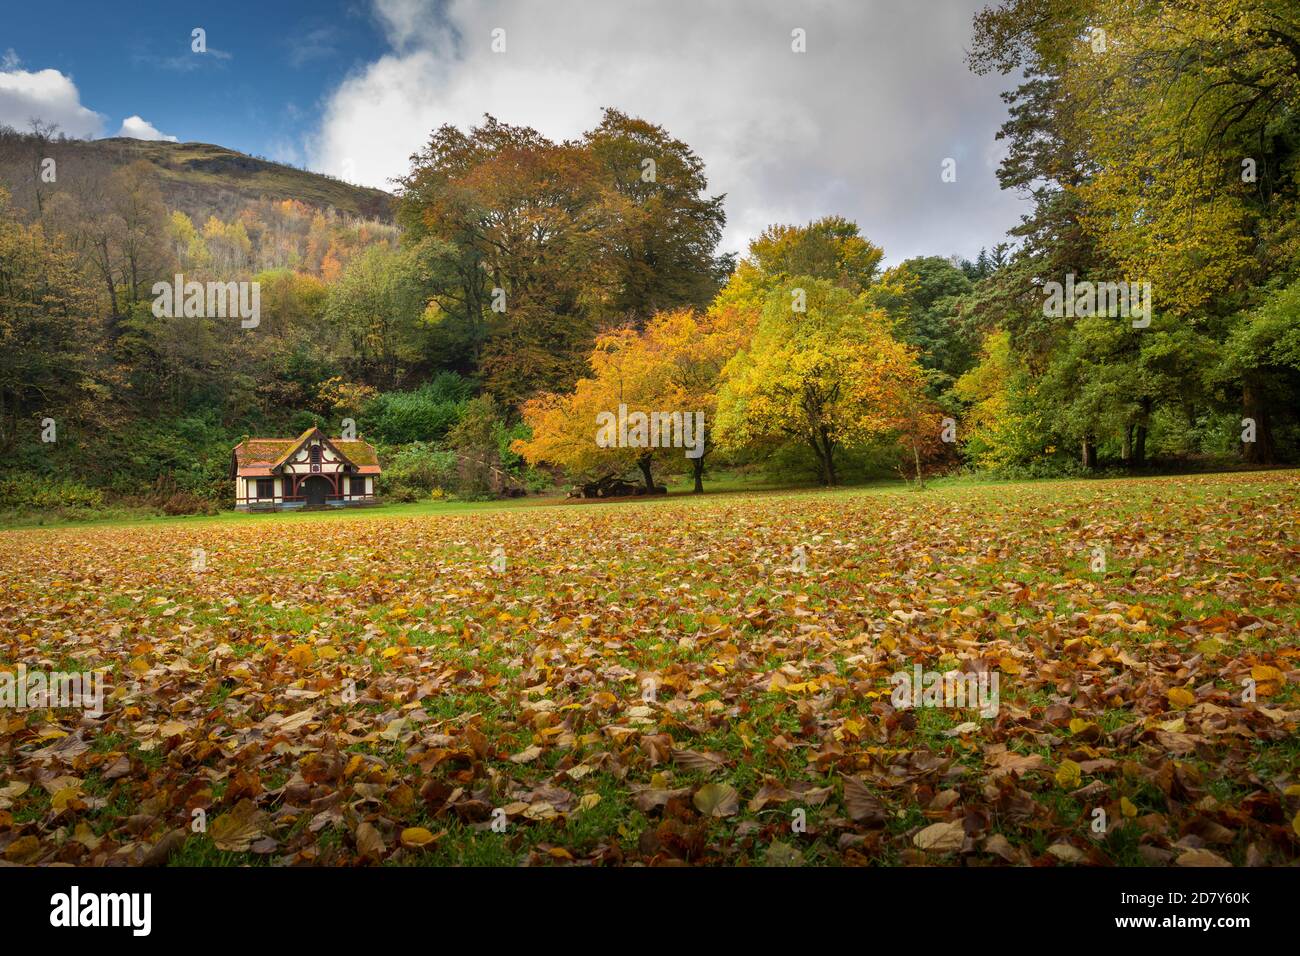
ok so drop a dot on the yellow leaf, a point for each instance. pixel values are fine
(1180, 697)
(302, 655)
(23, 850)
(717, 800)
(1263, 672)
(417, 837)
(1127, 807)
(1068, 775)
(61, 800)
(84, 835)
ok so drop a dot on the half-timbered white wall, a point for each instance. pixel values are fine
(300, 464)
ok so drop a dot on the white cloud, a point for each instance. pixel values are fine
(137, 128)
(46, 95)
(857, 125)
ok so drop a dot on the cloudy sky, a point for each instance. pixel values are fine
(859, 124)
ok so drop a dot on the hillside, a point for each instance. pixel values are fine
(198, 178)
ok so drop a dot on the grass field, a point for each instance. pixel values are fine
(702, 680)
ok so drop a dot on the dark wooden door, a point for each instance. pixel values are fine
(316, 488)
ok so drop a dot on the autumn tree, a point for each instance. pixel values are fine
(519, 226)
(376, 307)
(51, 352)
(829, 375)
(532, 247)
(565, 424)
(664, 228)
(685, 352)
(119, 228)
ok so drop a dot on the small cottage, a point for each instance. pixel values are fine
(312, 470)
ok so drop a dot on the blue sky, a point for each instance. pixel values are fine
(258, 90)
(858, 122)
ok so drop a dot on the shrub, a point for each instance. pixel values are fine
(424, 415)
(40, 493)
(412, 472)
(170, 499)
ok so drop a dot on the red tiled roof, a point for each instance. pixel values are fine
(261, 456)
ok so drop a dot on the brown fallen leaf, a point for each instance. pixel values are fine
(770, 792)
(862, 805)
(1200, 858)
(162, 851)
(943, 837)
(697, 760)
(370, 843)
(651, 798)
(1067, 853)
(237, 829)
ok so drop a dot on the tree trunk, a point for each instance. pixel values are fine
(1140, 441)
(644, 464)
(821, 458)
(828, 447)
(698, 466)
(1260, 451)
(1089, 452)
(1127, 453)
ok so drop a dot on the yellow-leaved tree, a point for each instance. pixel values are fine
(684, 354)
(823, 369)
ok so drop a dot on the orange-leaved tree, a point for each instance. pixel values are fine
(669, 373)
(565, 426)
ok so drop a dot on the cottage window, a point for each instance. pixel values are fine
(315, 454)
(357, 485)
(266, 487)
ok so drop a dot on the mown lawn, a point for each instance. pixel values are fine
(659, 682)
